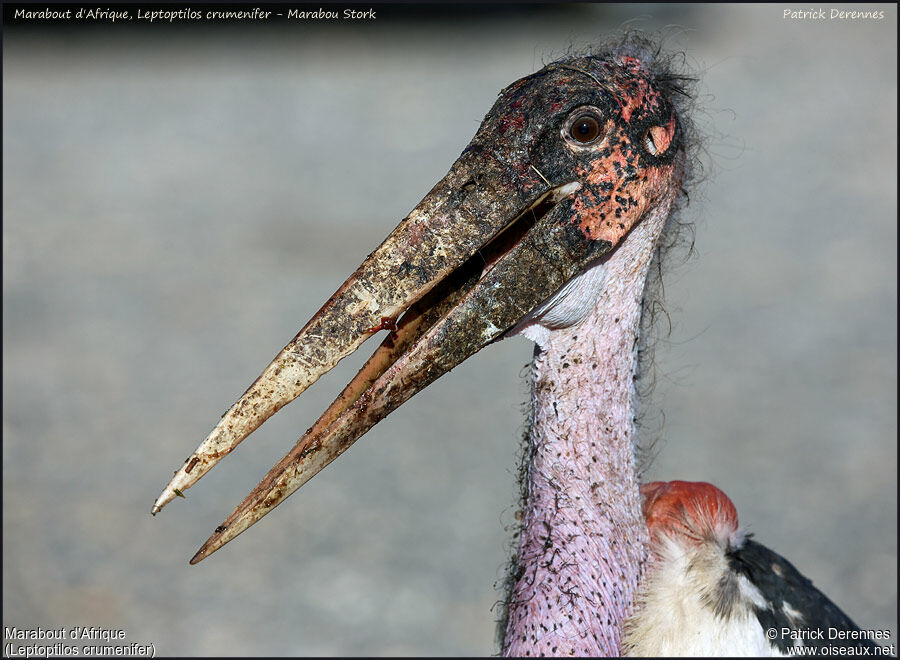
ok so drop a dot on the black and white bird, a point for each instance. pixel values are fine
(712, 590)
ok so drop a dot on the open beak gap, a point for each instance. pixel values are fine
(412, 356)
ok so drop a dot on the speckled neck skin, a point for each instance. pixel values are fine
(584, 541)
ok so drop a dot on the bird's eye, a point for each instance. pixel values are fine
(586, 128)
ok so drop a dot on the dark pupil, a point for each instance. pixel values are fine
(585, 129)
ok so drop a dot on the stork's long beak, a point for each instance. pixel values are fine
(487, 245)
(468, 263)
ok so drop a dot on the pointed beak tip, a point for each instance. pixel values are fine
(161, 502)
(158, 505)
(222, 535)
(170, 492)
(209, 547)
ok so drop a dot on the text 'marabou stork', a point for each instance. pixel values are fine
(545, 226)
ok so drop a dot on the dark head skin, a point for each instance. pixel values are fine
(529, 133)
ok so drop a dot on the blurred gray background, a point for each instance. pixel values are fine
(178, 201)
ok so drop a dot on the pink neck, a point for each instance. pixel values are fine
(584, 541)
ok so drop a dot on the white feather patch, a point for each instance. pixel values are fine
(674, 617)
(568, 306)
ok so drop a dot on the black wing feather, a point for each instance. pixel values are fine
(779, 582)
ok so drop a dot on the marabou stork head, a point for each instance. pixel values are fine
(567, 162)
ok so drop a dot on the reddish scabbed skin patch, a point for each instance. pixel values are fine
(622, 176)
(626, 178)
(619, 190)
(634, 88)
(387, 323)
(517, 121)
(662, 135)
(692, 510)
